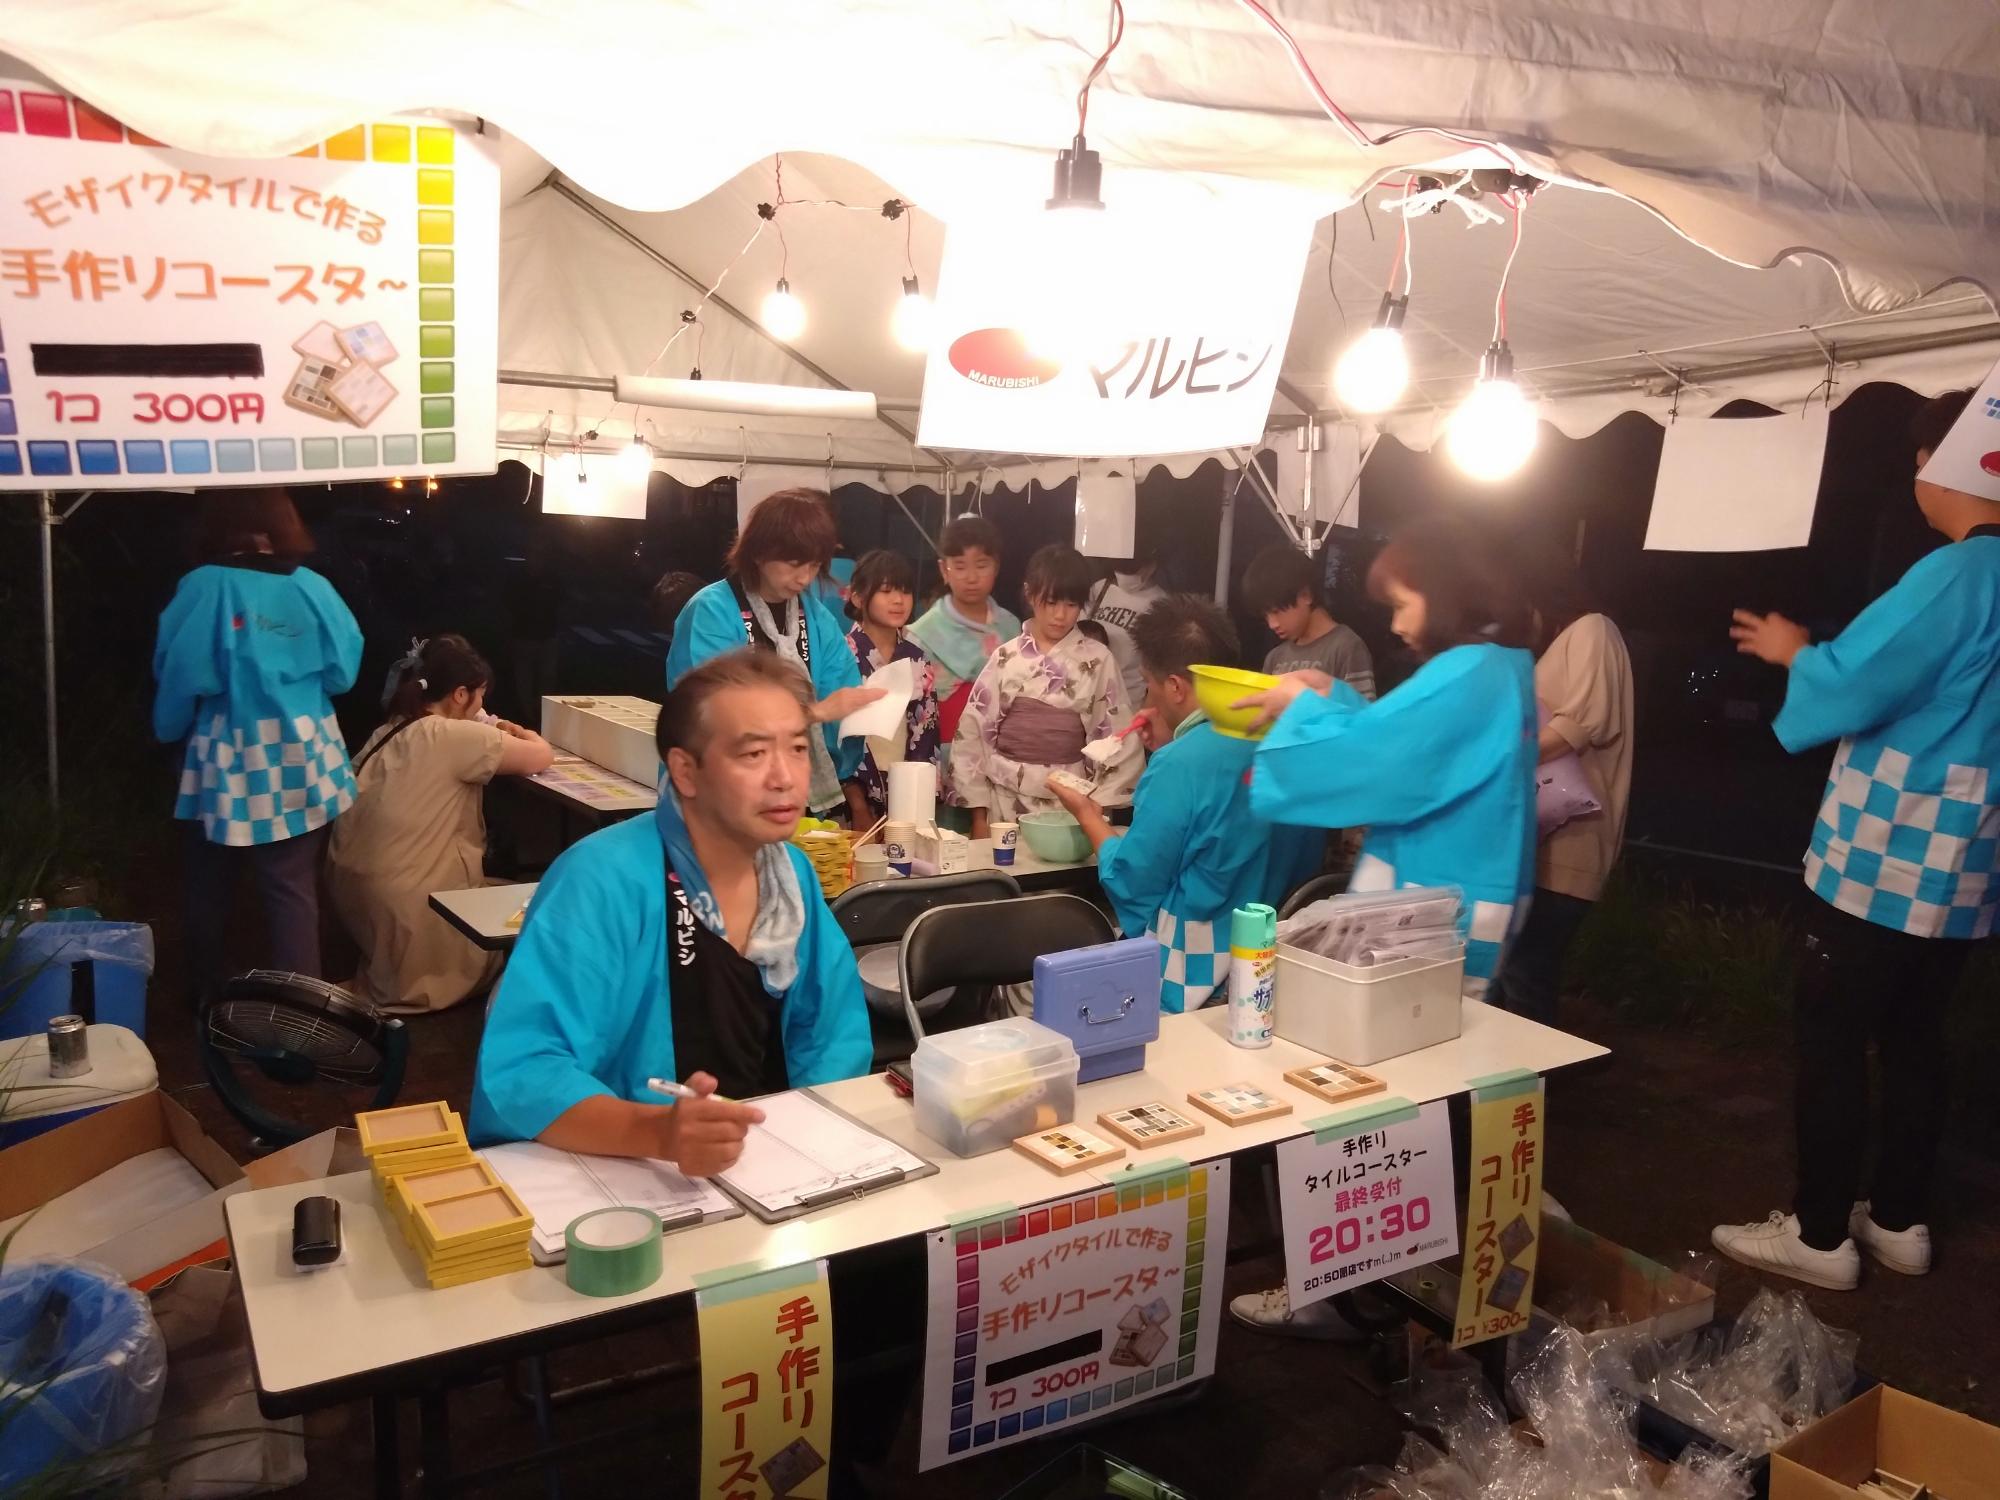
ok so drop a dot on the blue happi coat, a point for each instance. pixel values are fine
(247, 659)
(1440, 770)
(1194, 853)
(1908, 834)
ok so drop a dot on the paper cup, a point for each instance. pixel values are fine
(871, 862)
(1006, 839)
(899, 839)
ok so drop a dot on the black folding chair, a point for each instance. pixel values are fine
(975, 947)
(1318, 888)
(881, 911)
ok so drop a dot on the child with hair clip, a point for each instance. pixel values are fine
(418, 825)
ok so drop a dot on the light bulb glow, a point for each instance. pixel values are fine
(783, 316)
(635, 464)
(1492, 432)
(1373, 371)
(911, 321)
(1073, 317)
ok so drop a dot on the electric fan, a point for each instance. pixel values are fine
(310, 1043)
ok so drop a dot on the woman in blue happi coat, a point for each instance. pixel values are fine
(1441, 769)
(251, 650)
(767, 602)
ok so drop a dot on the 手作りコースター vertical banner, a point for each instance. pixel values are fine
(175, 320)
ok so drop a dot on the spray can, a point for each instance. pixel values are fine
(1253, 970)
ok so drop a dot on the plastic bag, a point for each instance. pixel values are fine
(1778, 1369)
(1366, 928)
(1562, 788)
(82, 1365)
(1581, 1445)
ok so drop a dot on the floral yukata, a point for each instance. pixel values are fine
(920, 720)
(1031, 712)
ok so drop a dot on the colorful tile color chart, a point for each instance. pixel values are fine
(169, 318)
(1051, 1314)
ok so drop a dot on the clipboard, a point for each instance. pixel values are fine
(590, 1191)
(839, 1189)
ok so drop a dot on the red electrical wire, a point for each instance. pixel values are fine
(1402, 246)
(1361, 138)
(1518, 206)
(1117, 36)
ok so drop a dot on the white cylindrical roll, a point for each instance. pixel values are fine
(913, 792)
(744, 397)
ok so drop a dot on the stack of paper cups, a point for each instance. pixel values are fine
(913, 792)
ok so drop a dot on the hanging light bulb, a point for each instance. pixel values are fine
(635, 464)
(1493, 431)
(1068, 324)
(1374, 369)
(911, 322)
(784, 316)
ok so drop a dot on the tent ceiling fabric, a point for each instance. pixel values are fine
(1844, 143)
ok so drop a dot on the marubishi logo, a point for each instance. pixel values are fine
(1001, 358)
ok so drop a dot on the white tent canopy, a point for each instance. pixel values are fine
(1843, 145)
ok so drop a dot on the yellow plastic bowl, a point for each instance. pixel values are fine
(1215, 688)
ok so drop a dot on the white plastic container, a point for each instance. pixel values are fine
(617, 733)
(980, 1087)
(1362, 1016)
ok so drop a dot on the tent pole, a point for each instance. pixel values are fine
(48, 520)
(1225, 536)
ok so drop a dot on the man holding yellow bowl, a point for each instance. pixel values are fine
(1195, 851)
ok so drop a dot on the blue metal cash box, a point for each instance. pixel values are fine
(1106, 999)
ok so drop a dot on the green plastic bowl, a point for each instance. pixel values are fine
(1215, 688)
(1053, 835)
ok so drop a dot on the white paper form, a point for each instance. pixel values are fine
(804, 1150)
(557, 1186)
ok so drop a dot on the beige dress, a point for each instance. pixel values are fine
(1584, 680)
(417, 825)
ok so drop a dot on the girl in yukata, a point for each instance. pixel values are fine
(880, 596)
(1041, 698)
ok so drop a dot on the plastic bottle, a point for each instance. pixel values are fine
(1253, 965)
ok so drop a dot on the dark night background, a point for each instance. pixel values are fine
(478, 557)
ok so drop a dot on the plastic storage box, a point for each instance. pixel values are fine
(1362, 1016)
(980, 1087)
(89, 968)
(1104, 998)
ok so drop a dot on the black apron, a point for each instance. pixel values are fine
(725, 1021)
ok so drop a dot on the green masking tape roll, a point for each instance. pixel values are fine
(613, 1251)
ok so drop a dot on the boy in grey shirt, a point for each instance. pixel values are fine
(1284, 584)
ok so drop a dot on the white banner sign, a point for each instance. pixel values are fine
(1969, 457)
(1738, 484)
(1095, 335)
(174, 320)
(1368, 1203)
(1046, 1316)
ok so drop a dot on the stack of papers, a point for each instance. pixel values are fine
(1378, 927)
(806, 1152)
(559, 1187)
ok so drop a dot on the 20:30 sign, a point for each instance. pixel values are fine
(1344, 1236)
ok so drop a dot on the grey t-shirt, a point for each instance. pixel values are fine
(1339, 653)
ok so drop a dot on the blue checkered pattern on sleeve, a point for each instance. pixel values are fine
(1192, 971)
(1908, 845)
(266, 781)
(1489, 926)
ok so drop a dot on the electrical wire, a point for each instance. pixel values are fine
(1340, 117)
(1519, 206)
(1117, 35)
(1332, 254)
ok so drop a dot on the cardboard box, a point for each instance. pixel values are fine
(1956, 1455)
(617, 733)
(46, 1167)
(1646, 1300)
(950, 853)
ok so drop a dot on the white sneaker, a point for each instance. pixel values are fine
(1272, 1312)
(1773, 1244)
(1906, 1251)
